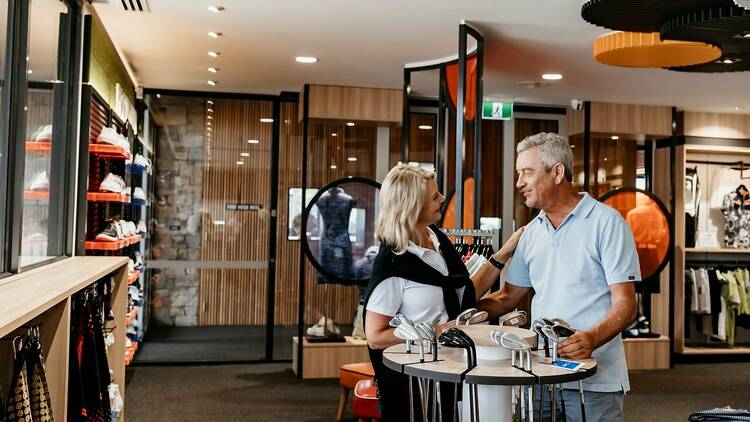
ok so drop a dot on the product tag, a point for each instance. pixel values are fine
(707, 240)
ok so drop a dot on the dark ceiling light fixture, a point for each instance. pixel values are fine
(641, 15)
(718, 26)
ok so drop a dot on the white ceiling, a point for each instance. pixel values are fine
(367, 43)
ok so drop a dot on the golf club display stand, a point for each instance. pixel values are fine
(494, 375)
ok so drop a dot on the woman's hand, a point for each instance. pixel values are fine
(506, 251)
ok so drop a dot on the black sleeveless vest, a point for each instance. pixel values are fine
(411, 267)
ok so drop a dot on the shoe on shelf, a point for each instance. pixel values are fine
(131, 226)
(139, 194)
(139, 160)
(141, 227)
(40, 182)
(317, 330)
(112, 183)
(131, 266)
(110, 234)
(42, 134)
(110, 136)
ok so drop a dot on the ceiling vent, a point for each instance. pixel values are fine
(135, 5)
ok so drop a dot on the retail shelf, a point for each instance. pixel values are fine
(130, 352)
(40, 147)
(132, 277)
(96, 245)
(695, 350)
(36, 195)
(109, 151)
(108, 197)
(717, 250)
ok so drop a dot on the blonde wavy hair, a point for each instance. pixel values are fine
(402, 196)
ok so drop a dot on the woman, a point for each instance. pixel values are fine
(417, 273)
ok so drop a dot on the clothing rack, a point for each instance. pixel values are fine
(494, 234)
(733, 165)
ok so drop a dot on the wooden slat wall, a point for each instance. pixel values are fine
(623, 119)
(354, 103)
(324, 150)
(715, 125)
(422, 142)
(236, 296)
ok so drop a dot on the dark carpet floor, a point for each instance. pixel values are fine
(270, 392)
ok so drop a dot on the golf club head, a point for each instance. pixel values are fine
(550, 333)
(465, 315)
(514, 319)
(536, 326)
(563, 331)
(395, 321)
(449, 338)
(477, 318)
(562, 322)
(547, 321)
(407, 332)
(513, 342)
(495, 337)
(436, 320)
(426, 331)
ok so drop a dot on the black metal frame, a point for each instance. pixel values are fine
(271, 274)
(13, 136)
(663, 209)
(301, 283)
(306, 216)
(672, 205)
(586, 144)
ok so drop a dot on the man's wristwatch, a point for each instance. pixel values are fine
(499, 265)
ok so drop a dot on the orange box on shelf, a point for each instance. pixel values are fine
(109, 151)
(96, 245)
(42, 147)
(107, 197)
(36, 195)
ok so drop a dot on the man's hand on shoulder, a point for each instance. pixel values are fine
(578, 346)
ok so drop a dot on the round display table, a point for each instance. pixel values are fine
(500, 389)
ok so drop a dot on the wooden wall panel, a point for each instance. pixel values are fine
(715, 125)
(623, 119)
(422, 142)
(231, 296)
(324, 151)
(354, 103)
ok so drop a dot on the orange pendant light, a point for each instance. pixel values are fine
(641, 49)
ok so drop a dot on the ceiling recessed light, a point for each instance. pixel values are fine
(213, 69)
(29, 71)
(240, 163)
(212, 83)
(350, 124)
(605, 159)
(425, 127)
(244, 154)
(730, 60)
(215, 9)
(213, 34)
(334, 134)
(210, 110)
(306, 59)
(214, 53)
(253, 141)
(266, 120)
(352, 159)
(209, 129)
(615, 137)
(333, 166)
(552, 76)
(743, 35)
(209, 102)
(158, 95)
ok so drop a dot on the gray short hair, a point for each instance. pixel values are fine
(553, 149)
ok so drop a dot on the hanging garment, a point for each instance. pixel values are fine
(704, 291)
(41, 406)
(2, 405)
(19, 406)
(736, 209)
(715, 285)
(692, 205)
(739, 276)
(692, 290)
(730, 293)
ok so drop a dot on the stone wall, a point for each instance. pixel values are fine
(179, 174)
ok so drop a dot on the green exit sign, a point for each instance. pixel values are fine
(494, 110)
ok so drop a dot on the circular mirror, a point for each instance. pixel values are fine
(339, 230)
(649, 220)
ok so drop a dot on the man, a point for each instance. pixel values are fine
(579, 256)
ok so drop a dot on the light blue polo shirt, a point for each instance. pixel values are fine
(571, 269)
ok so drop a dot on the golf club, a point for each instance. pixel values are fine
(514, 319)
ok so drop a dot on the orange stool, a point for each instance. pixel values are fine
(365, 402)
(349, 375)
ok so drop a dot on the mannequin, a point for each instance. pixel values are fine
(335, 206)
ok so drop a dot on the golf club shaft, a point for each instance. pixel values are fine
(583, 407)
(553, 406)
(411, 399)
(562, 403)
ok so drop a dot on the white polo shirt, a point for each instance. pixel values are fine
(571, 269)
(418, 302)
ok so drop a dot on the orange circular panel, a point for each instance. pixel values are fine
(449, 220)
(649, 225)
(640, 49)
